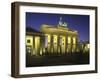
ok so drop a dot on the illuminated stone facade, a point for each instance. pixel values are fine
(57, 39)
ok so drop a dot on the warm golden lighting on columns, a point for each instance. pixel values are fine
(62, 43)
(74, 44)
(74, 40)
(69, 40)
(48, 37)
(55, 42)
(37, 45)
(69, 44)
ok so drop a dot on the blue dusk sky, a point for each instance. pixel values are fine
(75, 22)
